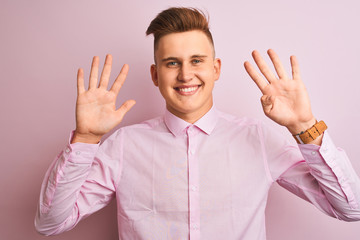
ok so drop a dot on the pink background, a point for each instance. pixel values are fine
(44, 42)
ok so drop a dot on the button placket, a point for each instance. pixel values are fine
(194, 200)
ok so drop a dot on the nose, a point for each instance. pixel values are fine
(186, 73)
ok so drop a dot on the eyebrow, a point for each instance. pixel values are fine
(176, 59)
(169, 59)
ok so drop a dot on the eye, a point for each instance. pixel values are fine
(196, 61)
(172, 64)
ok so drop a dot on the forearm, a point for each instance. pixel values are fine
(335, 176)
(57, 209)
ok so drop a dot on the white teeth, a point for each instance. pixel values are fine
(190, 89)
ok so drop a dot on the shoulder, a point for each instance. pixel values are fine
(136, 131)
(232, 121)
(156, 124)
(249, 126)
(148, 124)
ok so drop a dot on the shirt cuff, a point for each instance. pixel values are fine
(312, 153)
(328, 154)
(80, 152)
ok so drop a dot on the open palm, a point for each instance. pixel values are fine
(96, 112)
(285, 100)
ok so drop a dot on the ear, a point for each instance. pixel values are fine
(154, 76)
(217, 68)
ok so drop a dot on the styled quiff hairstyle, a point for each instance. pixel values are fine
(176, 20)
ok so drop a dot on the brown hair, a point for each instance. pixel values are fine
(178, 19)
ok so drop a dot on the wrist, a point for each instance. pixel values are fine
(85, 138)
(299, 127)
(312, 135)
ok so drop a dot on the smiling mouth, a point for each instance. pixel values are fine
(187, 90)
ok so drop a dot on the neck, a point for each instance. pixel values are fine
(190, 117)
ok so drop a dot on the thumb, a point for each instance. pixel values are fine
(267, 103)
(124, 109)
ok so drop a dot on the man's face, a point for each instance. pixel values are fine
(185, 73)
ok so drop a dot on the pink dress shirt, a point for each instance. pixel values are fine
(207, 180)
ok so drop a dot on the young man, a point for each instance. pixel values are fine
(195, 172)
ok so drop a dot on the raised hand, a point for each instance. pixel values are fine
(96, 112)
(285, 100)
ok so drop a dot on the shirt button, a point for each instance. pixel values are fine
(194, 226)
(313, 153)
(77, 152)
(191, 131)
(67, 150)
(193, 188)
(341, 180)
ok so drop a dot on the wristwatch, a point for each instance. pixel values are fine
(310, 134)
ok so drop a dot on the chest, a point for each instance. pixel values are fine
(164, 174)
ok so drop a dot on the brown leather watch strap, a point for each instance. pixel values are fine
(311, 134)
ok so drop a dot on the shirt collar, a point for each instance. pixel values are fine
(177, 126)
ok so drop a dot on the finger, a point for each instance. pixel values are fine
(258, 79)
(280, 70)
(265, 70)
(295, 68)
(267, 104)
(124, 109)
(80, 81)
(94, 72)
(105, 74)
(119, 81)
